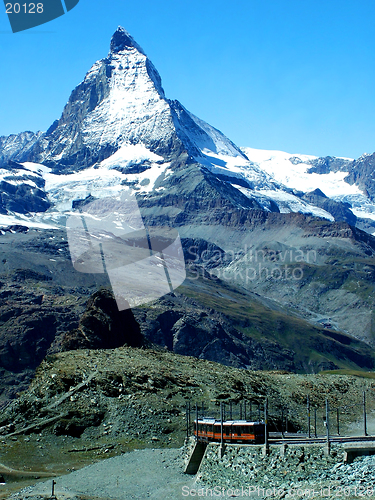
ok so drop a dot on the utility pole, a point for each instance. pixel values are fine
(196, 421)
(316, 435)
(364, 414)
(327, 427)
(266, 449)
(308, 417)
(221, 429)
(53, 488)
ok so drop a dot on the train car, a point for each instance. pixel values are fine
(234, 431)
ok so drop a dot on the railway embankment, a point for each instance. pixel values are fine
(290, 470)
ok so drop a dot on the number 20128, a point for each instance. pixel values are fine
(25, 8)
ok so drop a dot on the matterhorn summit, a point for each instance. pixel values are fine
(121, 102)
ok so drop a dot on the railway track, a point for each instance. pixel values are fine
(319, 440)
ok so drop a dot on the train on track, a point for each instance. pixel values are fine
(234, 431)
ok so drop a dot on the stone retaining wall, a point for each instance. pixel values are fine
(283, 467)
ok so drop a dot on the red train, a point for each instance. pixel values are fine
(234, 431)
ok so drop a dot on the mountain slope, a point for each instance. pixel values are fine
(43, 297)
(118, 118)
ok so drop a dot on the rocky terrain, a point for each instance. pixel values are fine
(86, 405)
(361, 172)
(46, 308)
(339, 210)
(15, 145)
(103, 326)
(41, 298)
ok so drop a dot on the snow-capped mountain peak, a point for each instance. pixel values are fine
(122, 40)
(121, 102)
(119, 129)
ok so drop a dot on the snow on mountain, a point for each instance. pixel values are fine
(297, 172)
(121, 102)
(134, 109)
(287, 203)
(361, 206)
(22, 190)
(36, 168)
(292, 171)
(129, 155)
(106, 179)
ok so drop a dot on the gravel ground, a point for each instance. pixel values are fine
(158, 474)
(141, 474)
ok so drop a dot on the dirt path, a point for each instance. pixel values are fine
(8, 471)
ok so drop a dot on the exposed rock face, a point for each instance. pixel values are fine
(199, 251)
(120, 108)
(29, 323)
(241, 331)
(360, 171)
(328, 164)
(103, 326)
(340, 211)
(17, 146)
(201, 183)
(41, 298)
(196, 333)
(120, 100)
(22, 190)
(362, 174)
(22, 199)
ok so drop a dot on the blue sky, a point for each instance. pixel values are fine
(294, 75)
